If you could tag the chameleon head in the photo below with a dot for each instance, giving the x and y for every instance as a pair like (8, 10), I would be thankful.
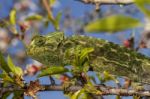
(45, 48)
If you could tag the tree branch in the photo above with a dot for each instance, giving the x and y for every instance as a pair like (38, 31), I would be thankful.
(108, 1)
(47, 6)
(104, 89)
(97, 3)
(48, 9)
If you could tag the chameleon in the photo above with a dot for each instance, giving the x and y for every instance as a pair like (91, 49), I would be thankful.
(51, 49)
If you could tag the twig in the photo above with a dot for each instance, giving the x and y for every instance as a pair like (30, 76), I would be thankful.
(107, 1)
(48, 9)
(104, 89)
(97, 3)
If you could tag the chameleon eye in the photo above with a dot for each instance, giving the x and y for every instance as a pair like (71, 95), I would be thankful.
(40, 41)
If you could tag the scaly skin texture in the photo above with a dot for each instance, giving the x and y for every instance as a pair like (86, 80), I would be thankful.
(55, 49)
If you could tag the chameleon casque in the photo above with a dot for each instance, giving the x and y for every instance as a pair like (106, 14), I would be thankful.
(107, 56)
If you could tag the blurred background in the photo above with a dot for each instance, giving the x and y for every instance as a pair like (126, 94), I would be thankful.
(75, 15)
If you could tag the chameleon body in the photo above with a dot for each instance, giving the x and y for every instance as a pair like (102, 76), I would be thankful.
(56, 49)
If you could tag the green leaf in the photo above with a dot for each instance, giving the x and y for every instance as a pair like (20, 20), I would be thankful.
(18, 71)
(14, 69)
(3, 23)
(13, 21)
(80, 55)
(136, 97)
(108, 77)
(13, 16)
(6, 78)
(118, 97)
(90, 88)
(3, 64)
(56, 21)
(53, 70)
(6, 95)
(18, 95)
(35, 17)
(144, 6)
(11, 65)
(14, 30)
(112, 23)
(81, 94)
(84, 58)
(52, 2)
(2, 75)
(85, 52)
(58, 17)
(86, 96)
(77, 94)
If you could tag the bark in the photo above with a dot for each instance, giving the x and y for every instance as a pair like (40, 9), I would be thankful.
(104, 89)
(108, 1)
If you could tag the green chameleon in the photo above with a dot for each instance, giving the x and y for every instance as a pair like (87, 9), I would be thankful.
(53, 49)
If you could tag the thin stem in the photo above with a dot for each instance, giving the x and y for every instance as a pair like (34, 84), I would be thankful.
(48, 9)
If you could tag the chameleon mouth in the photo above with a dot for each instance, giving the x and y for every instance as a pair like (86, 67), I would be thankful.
(44, 55)
(35, 51)
(39, 54)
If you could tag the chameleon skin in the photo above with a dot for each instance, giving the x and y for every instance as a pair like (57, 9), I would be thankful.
(56, 49)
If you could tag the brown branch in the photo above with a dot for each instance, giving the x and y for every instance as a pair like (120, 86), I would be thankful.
(108, 1)
(97, 3)
(104, 89)
(48, 9)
